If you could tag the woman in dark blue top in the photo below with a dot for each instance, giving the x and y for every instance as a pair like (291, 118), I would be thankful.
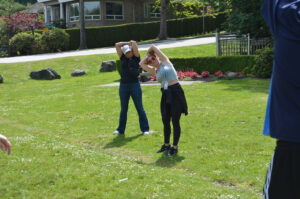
(130, 85)
(282, 120)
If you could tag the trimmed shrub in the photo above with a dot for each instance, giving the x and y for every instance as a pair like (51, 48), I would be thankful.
(25, 43)
(210, 64)
(109, 35)
(55, 40)
(263, 64)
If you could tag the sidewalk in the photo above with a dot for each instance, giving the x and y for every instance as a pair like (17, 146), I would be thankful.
(161, 45)
(152, 83)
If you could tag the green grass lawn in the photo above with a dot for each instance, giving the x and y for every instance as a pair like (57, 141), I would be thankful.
(63, 147)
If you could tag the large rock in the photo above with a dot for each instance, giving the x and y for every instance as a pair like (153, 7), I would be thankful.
(145, 76)
(78, 73)
(108, 66)
(45, 74)
(231, 75)
(1, 79)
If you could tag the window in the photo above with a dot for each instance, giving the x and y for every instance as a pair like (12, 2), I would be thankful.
(114, 11)
(74, 12)
(48, 14)
(146, 10)
(154, 11)
(92, 10)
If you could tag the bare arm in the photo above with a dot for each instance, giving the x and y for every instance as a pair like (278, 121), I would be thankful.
(146, 67)
(135, 49)
(5, 144)
(162, 57)
(118, 47)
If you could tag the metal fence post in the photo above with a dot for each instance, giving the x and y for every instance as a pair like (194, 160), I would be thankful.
(218, 43)
(248, 35)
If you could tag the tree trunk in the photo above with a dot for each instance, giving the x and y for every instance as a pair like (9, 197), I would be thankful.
(82, 26)
(163, 21)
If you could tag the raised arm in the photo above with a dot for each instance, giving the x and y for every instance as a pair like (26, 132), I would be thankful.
(146, 67)
(118, 47)
(135, 49)
(155, 50)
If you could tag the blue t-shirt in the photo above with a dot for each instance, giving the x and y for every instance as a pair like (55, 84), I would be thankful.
(166, 74)
(283, 110)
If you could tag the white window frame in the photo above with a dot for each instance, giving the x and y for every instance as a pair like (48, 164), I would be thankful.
(154, 15)
(93, 17)
(115, 16)
(146, 10)
(74, 18)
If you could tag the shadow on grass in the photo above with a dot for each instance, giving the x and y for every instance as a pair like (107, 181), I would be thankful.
(120, 140)
(168, 161)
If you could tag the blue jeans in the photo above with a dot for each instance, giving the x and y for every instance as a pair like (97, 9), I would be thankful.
(134, 90)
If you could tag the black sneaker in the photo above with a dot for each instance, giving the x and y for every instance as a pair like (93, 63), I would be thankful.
(172, 151)
(163, 148)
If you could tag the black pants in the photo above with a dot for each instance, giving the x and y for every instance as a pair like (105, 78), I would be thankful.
(173, 104)
(283, 176)
(167, 127)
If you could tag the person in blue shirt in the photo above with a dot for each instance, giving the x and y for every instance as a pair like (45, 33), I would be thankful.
(130, 85)
(173, 102)
(282, 120)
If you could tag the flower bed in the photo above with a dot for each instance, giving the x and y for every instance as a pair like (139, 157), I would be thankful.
(205, 76)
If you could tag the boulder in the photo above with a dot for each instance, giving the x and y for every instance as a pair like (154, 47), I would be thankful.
(145, 76)
(231, 75)
(1, 79)
(78, 73)
(45, 74)
(108, 66)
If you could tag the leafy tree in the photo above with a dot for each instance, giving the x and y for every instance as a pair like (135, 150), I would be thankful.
(8, 7)
(26, 2)
(21, 21)
(175, 7)
(11, 24)
(246, 18)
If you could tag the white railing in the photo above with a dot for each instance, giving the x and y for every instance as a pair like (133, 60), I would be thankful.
(229, 45)
(155, 15)
(87, 17)
(92, 17)
(114, 17)
(75, 18)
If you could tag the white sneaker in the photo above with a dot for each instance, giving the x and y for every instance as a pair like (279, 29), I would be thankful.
(146, 133)
(116, 133)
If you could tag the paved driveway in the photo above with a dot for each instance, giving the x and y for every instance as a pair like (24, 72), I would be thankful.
(161, 44)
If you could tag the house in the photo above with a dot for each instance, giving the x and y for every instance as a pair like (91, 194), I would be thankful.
(100, 12)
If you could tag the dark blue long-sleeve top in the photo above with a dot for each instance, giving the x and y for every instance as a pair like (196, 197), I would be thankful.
(283, 111)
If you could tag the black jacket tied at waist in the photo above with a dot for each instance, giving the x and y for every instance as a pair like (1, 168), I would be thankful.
(175, 98)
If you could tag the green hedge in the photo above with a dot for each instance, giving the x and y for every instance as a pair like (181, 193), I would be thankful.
(210, 64)
(109, 35)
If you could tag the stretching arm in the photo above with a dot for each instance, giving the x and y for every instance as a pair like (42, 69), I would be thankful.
(146, 67)
(118, 47)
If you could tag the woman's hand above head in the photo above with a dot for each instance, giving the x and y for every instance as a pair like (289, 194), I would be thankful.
(154, 50)
(144, 64)
(118, 47)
